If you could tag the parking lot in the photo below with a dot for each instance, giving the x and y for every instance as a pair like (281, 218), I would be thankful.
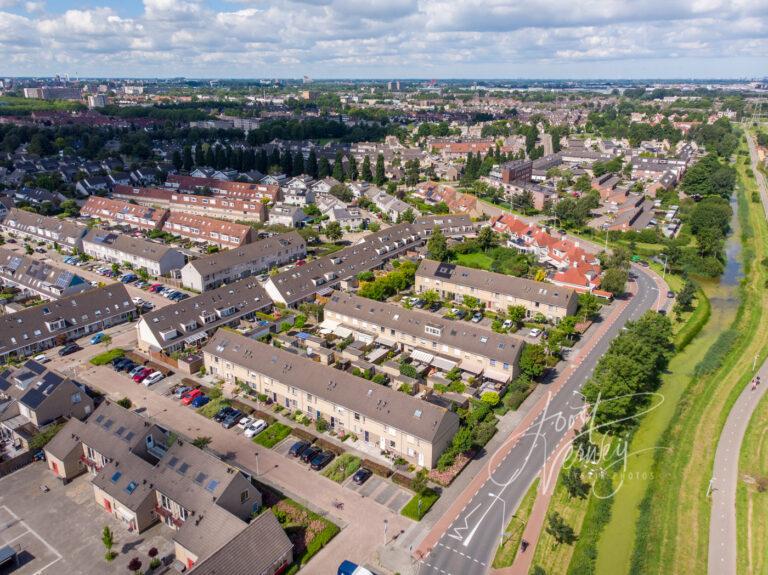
(59, 531)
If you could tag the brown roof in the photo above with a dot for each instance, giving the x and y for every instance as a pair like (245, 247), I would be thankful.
(378, 402)
(122, 211)
(206, 227)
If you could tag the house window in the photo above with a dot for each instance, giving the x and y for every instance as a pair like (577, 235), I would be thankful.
(165, 502)
(244, 496)
(392, 443)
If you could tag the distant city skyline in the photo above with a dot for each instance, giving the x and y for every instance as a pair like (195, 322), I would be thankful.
(403, 39)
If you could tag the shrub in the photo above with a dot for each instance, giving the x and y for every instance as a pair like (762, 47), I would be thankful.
(377, 468)
(305, 435)
(321, 425)
(107, 356)
(491, 398)
(329, 446)
(272, 435)
(428, 499)
(342, 467)
(125, 403)
(41, 439)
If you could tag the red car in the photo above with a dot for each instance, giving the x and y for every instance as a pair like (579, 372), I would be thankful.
(300, 263)
(190, 396)
(154, 287)
(139, 377)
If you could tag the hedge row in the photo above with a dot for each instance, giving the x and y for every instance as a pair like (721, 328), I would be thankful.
(377, 468)
(265, 416)
(305, 435)
(332, 447)
(403, 480)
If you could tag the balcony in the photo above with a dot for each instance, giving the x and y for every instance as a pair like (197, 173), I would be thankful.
(90, 463)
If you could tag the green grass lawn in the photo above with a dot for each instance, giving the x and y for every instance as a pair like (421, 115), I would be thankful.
(107, 356)
(751, 502)
(507, 551)
(411, 509)
(212, 407)
(308, 531)
(475, 260)
(273, 435)
(672, 530)
(342, 467)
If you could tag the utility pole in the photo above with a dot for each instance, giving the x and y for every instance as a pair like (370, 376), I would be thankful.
(386, 525)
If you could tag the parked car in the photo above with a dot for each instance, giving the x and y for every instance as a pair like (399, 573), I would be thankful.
(40, 358)
(321, 460)
(670, 294)
(507, 324)
(97, 338)
(128, 278)
(361, 476)
(181, 390)
(435, 306)
(142, 375)
(255, 428)
(232, 419)
(309, 453)
(155, 288)
(535, 332)
(298, 448)
(419, 303)
(189, 396)
(153, 378)
(223, 413)
(245, 422)
(200, 401)
(68, 349)
(134, 370)
(477, 318)
(138, 301)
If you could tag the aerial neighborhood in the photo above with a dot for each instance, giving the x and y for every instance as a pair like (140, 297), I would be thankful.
(267, 329)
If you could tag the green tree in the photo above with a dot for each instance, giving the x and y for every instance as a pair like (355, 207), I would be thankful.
(380, 177)
(430, 297)
(574, 483)
(201, 441)
(471, 302)
(614, 281)
(533, 360)
(407, 216)
(298, 164)
(108, 539)
(338, 167)
(333, 231)
(324, 168)
(437, 246)
(559, 529)
(366, 173)
(486, 238)
(516, 314)
(311, 167)
(589, 306)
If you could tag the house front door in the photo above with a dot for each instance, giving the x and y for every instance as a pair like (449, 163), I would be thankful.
(108, 506)
(55, 467)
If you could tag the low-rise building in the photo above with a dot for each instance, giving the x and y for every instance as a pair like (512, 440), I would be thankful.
(157, 259)
(380, 416)
(203, 229)
(35, 227)
(191, 321)
(32, 397)
(118, 212)
(142, 474)
(53, 323)
(38, 278)
(286, 215)
(210, 272)
(230, 189)
(471, 348)
(497, 291)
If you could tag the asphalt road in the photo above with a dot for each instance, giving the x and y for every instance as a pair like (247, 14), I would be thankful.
(469, 544)
(725, 473)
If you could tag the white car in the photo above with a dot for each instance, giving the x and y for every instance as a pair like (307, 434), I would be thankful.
(535, 332)
(507, 324)
(255, 428)
(40, 358)
(245, 422)
(138, 301)
(153, 377)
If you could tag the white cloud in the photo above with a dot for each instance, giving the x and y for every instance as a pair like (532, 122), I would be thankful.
(375, 38)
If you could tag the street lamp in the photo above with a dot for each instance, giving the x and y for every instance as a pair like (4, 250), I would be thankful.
(256, 453)
(386, 525)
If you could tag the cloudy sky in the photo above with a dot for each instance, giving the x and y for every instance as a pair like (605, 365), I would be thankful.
(386, 38)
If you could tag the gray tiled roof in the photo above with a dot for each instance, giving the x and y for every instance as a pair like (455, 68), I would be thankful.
(139, 247)
(224, 260)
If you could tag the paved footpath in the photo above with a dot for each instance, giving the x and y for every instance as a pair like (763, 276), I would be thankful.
(722, 525)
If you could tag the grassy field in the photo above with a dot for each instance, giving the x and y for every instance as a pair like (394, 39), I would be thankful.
(507, 551)
(672, 531)
(477, 260)
(751, 503)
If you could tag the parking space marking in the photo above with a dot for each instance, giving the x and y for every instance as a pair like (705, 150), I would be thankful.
(29, 530)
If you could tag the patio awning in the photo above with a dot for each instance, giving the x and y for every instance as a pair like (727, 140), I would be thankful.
(473, 367)
(422, 356)
(195, 337)
(329, 324)
(497, 375)
(386, 342)
(342, 332)
(364, 337)
(442, 363)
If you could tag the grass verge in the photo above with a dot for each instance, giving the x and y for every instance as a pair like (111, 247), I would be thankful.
(342, 467)
(672, 532)
(513, 535)
(272, 435)
(107, 356)
(411, 509)
(308, 531)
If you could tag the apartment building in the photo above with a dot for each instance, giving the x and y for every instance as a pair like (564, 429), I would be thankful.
(193, 320)
(397, 423)
(34, 227)
(203, 229)
(228, 188)
(157, 259)
(322, 275)
(118, 212)
(473, 349)
(212, 271)
(38, 278)
(496, 291)
(35, 329)
(32, 397)
(142, 474)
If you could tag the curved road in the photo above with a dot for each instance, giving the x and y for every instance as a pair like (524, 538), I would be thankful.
(723, 543)
(469, 543)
